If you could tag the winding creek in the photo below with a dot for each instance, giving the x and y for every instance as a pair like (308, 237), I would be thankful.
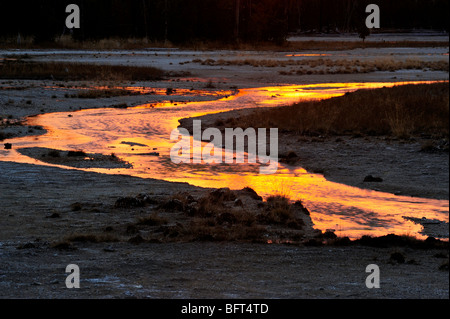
(351, 211)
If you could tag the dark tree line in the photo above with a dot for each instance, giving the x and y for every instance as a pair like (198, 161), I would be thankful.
(217, 20)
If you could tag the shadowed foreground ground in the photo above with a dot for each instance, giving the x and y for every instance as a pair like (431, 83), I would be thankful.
(31, 268)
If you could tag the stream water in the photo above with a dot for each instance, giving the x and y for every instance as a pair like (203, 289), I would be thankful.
(134, 133)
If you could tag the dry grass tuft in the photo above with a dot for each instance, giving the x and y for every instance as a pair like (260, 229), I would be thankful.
(105, 93)
(77, 71)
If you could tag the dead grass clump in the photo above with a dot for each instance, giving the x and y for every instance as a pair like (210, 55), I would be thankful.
(226, 215)
(280, 211)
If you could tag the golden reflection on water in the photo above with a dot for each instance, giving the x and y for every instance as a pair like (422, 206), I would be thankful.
(140, 136)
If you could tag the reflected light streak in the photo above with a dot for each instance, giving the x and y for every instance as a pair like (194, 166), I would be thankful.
(136, 134)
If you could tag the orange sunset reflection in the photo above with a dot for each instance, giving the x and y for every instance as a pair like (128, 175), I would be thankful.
(141, 136)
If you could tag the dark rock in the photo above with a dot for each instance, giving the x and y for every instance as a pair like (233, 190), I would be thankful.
(298, 204)
(8, 146)
(371, 179)
(251, 193)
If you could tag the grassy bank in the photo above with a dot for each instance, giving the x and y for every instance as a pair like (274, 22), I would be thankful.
(66, 42)
(401, 111)
(348, 66)
(19, 69)
(330, 66)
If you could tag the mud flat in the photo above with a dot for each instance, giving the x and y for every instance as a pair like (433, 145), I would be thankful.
(33, 219)
(127, 245)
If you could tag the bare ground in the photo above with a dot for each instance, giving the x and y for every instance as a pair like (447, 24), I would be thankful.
(33, 267)
(41, 206)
